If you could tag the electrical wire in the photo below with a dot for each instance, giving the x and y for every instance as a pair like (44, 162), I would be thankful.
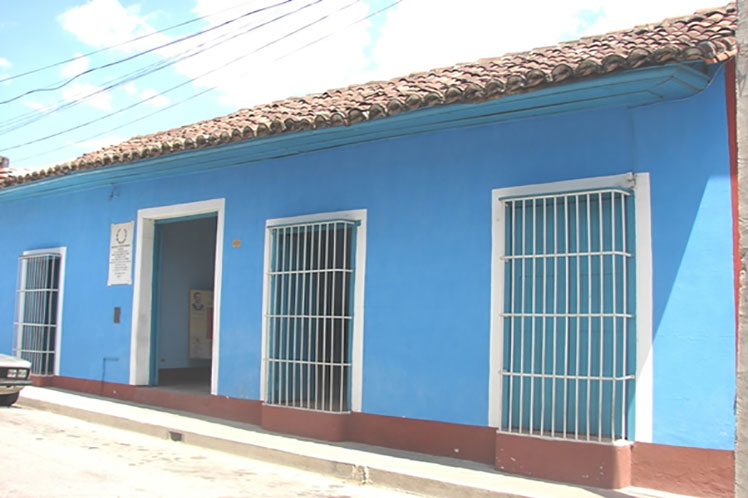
(121, 44)
(140, 54)
(118, 127)
(207, 90)
(24, 120)
(180, 85)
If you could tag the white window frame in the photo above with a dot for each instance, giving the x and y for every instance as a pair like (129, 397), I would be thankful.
(639, 184)
(61, 251)
(357, 358)
(142, 292)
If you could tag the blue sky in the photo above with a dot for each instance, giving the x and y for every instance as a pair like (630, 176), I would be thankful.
(258, 58)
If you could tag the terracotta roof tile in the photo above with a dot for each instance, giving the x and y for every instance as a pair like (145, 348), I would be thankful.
(708, 35)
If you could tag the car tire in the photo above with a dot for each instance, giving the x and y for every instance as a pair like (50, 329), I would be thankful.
(8, 399)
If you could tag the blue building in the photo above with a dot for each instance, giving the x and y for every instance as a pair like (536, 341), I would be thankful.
(525, 261)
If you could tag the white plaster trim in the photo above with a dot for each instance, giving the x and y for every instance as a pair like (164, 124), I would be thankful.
(60, 298)
(357, 359)
(644, 381)
(264, 327)
(644, 398)
(496, 347)
(142, 293)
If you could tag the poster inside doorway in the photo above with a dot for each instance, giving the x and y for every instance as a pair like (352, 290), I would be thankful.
(201, 323)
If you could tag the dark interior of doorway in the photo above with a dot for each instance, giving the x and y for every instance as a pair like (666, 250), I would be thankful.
(183, 276)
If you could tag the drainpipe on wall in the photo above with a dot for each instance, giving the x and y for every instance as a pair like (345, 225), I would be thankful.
(741, 401)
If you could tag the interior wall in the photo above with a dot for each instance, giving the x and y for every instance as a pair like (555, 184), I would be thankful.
(188, 253)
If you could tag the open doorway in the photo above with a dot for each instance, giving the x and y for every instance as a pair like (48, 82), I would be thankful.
(178, 250)
(182, 327)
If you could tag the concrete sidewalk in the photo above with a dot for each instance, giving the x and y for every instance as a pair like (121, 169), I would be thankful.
(412, 472)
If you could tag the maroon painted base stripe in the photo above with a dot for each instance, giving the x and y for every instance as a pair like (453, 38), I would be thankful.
(692, 471)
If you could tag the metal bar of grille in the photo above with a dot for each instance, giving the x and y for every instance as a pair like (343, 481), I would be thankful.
(533, 248)
(308, 315)
(578, 319)
(601, 356)
(552, 307)
(614, 308)
(567, 322)
(522, 324)
(302, 359)
(624, 324)
(588, 346)
(562, 195)
(36, 311)
(511, 241)
(544, 304)
(567, 315)
(570, 376)
(560, 315)
(324, 304)
(558, 255)
(317, 372)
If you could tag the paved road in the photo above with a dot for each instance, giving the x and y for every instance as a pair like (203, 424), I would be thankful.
(48, 455)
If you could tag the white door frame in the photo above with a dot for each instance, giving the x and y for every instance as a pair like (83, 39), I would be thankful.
(142, 292)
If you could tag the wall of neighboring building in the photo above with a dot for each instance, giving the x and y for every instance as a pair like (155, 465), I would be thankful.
(427, 306)
(740, 177)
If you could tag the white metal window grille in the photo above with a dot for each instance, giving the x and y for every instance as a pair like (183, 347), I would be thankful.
(37, 313)
(569, 340)
(309, 315)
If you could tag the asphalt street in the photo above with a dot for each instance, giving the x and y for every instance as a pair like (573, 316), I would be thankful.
(49, 455)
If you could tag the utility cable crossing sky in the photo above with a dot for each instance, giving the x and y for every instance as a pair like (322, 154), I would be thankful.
(144, 52)
(78, 83)
(207, 90)
(116, 45)
(20, 121)
(23, 120)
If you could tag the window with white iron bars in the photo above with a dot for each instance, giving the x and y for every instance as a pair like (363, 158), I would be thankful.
(569, 338)
(37, 301)
(309, 315)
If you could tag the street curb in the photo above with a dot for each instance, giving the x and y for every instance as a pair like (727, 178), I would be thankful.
(345, 470)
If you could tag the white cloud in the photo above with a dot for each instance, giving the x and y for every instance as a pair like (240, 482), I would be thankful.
(101, 23)
(154, 98)
(4, 62)
(130, 88)
(77, 66)
(622, 15)
(89, 94)
(259, 77)
(415, 35)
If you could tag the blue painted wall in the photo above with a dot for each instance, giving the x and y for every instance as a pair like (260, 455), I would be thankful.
(428, 198)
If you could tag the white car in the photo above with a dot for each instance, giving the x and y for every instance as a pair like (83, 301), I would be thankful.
(14, 375)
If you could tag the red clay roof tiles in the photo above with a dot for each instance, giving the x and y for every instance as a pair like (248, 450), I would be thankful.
(707, 35)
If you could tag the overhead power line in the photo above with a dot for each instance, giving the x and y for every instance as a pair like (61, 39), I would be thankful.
(207, 90)
(121, 44)
(210, 89)
(31, 117)
(140, 54)
(175, 87)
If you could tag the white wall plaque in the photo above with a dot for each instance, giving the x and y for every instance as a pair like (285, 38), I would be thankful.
(120, 253)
